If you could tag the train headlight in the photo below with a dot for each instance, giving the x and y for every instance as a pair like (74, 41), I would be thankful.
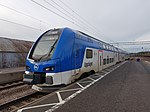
(49, 68)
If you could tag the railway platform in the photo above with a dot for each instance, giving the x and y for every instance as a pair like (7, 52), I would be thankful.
(11, 74)
(123, 88)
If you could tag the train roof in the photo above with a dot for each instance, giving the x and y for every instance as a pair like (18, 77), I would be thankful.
(102, 42)
(107, 45)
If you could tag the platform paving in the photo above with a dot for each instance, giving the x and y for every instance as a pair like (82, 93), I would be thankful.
(125, 89)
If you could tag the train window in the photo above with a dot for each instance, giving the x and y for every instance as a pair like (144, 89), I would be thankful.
(89, 53)
(104, 61)
(111, 48)
(110, 60)
(100, 60)
(100, 45)
(103, 46)
(45, 46)
(107, 60)
(107, 47)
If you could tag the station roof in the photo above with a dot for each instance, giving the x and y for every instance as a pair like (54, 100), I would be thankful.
(14, 45)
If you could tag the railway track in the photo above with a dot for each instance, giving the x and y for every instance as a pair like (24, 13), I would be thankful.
(20, 102)
(17, 95)
(10, 85)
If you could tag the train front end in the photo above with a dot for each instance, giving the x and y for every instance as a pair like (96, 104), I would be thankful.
(40, 61)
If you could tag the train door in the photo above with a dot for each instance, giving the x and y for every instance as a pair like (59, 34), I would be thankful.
(118, 56)
(100, 58)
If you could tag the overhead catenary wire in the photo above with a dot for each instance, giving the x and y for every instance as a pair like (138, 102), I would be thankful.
(86, 29)
(51, 11)
(20, 24)
(59, 15)
(85, 21)
(29, 15)
(43, 6)
(61, 7)
(136, 44)
(74, 19)
(81, 18)
(55, 7)
(72, 16)
(25, 15)
(132, 43)
(41, 21)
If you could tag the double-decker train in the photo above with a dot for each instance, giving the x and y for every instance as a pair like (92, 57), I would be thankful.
(59, 56)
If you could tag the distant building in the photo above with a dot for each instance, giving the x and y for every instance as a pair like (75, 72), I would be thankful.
(13, 52)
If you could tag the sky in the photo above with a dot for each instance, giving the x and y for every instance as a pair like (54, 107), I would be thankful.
(107, 20)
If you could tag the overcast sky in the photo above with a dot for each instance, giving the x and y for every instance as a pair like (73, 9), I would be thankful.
(108, 20)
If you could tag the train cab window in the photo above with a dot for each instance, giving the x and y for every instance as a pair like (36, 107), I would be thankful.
(45, 46)
(89, 53)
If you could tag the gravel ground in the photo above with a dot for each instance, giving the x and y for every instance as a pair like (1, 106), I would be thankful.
(14, 93)
(126, 89)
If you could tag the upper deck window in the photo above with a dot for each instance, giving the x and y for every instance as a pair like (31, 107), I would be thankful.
(100, 45)
(104, 46)
(89, 53)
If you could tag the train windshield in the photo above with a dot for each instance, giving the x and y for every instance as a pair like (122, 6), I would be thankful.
(44, 48)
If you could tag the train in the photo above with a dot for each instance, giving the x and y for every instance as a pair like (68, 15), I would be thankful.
(60, 56)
